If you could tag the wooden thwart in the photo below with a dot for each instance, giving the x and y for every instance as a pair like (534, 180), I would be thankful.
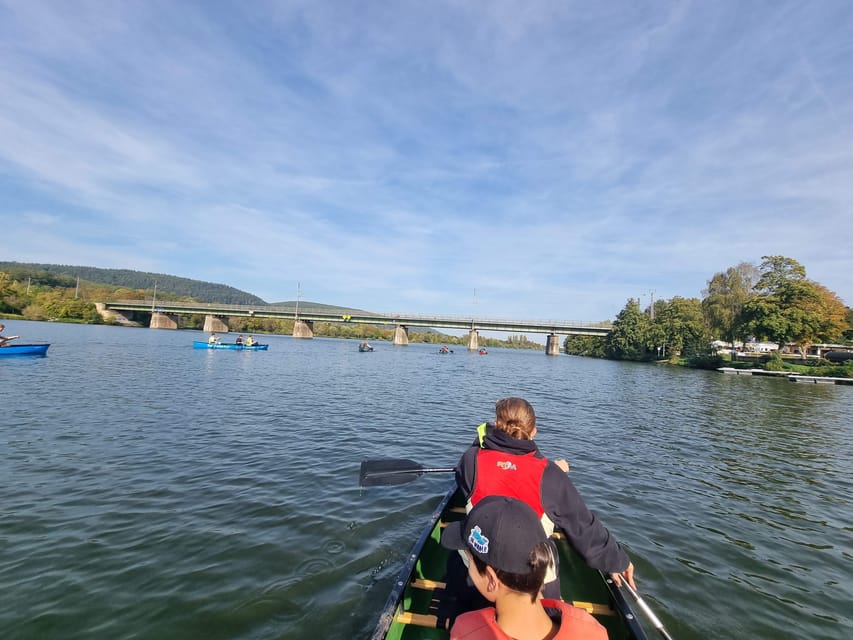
(418, 619)
(590, 607)
(594, 608)
(424, 583)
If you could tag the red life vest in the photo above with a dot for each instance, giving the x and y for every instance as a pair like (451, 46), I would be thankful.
(513, 476)
(575, 624)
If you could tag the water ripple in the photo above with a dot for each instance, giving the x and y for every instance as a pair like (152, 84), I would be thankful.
(160, 491)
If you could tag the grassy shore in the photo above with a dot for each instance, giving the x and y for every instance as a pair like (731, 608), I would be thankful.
(775, 362)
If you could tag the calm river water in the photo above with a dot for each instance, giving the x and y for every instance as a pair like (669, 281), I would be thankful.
(150, 490)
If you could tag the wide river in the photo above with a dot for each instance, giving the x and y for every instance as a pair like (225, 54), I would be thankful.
(150, 490)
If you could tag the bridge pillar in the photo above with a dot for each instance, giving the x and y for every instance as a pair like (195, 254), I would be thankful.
(215, 324)
(552, 346)
(303, 329)
(473, 340)
(401, 336)
(163, 321)
(115, 316)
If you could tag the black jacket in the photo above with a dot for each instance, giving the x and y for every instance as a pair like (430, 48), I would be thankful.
(560, 499)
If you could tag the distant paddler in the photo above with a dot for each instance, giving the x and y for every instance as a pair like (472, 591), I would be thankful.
(5, 339)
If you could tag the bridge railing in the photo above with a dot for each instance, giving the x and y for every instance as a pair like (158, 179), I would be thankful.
(202, 307)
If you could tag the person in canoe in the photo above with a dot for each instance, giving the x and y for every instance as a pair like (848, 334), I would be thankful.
(213, 339)
(5, 339)
(250, 341)
(504, 460)
(507, 553)
(239, 339)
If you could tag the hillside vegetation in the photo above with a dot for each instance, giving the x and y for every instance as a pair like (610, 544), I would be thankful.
(60, 275)
(53, 292)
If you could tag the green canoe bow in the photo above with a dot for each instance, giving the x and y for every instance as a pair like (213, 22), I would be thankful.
(410, 611)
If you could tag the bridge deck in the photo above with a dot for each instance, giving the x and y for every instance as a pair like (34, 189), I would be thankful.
(308, 314)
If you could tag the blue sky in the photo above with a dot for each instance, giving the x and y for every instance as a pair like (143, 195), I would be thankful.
(556, 158)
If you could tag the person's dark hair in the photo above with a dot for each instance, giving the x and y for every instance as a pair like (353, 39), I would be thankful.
(529, 583)
(516, 417)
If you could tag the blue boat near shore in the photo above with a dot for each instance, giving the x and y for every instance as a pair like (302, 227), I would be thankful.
(24, 350)
(198, 344)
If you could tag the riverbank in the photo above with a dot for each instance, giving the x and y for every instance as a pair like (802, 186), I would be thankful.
(769, 366)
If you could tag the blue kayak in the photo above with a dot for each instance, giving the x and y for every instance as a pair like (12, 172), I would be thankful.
(24, 350)
(198, 344)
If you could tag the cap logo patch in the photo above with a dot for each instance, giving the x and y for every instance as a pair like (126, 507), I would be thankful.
(478, 541)
(506, 465)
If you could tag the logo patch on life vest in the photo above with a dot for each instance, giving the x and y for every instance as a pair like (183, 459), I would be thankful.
(506, 465)
(478, 541)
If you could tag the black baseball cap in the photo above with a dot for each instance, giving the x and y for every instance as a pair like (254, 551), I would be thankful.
(501, 531)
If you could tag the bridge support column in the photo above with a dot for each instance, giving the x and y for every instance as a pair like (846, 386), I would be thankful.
(215, 324)
(115, 316)
(163, 321)
(401, 336)
(303, 329)
(552, 346)
(473, 340)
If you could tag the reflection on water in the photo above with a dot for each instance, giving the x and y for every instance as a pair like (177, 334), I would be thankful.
(154, 490)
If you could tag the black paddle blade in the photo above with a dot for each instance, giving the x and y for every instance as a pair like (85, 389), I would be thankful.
(388, 472)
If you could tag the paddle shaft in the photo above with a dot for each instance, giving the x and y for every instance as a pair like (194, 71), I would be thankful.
(647, 610)
(416, 471)
(393, 471)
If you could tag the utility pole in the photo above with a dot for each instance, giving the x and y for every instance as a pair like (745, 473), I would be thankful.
(77, 288)
(652, 304)
(154, 298)
(298, 293)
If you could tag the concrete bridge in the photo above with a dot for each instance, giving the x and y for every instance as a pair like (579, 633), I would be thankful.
(164, 315)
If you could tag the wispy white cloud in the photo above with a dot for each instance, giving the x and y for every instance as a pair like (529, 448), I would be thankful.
(556, 157)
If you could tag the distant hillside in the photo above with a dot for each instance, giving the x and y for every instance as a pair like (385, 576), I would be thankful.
(53, 274)
(319, 306)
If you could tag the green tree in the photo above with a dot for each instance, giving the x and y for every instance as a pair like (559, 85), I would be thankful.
(591, 346)
(630, 337)
(7, 294)
(679, 327)
(726, 294)
(778, 273)
(789, 308)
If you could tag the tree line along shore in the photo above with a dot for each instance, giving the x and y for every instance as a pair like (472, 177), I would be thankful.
(773, 302)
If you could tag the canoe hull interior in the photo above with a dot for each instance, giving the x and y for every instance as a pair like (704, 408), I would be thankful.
(198, 344)
(24, 350)
(410, 611)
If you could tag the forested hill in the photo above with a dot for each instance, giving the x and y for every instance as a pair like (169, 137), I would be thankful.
(66, 275)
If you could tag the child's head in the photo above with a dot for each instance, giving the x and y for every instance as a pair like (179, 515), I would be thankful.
(516, 417)
(504, 535)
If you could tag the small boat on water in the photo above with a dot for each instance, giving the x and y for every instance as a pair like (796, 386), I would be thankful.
(414, 608)
(365, 348)
(483, 352)
(24, 350)
(200, 344)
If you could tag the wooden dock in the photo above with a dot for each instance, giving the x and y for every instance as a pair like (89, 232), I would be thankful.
(792, 377)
